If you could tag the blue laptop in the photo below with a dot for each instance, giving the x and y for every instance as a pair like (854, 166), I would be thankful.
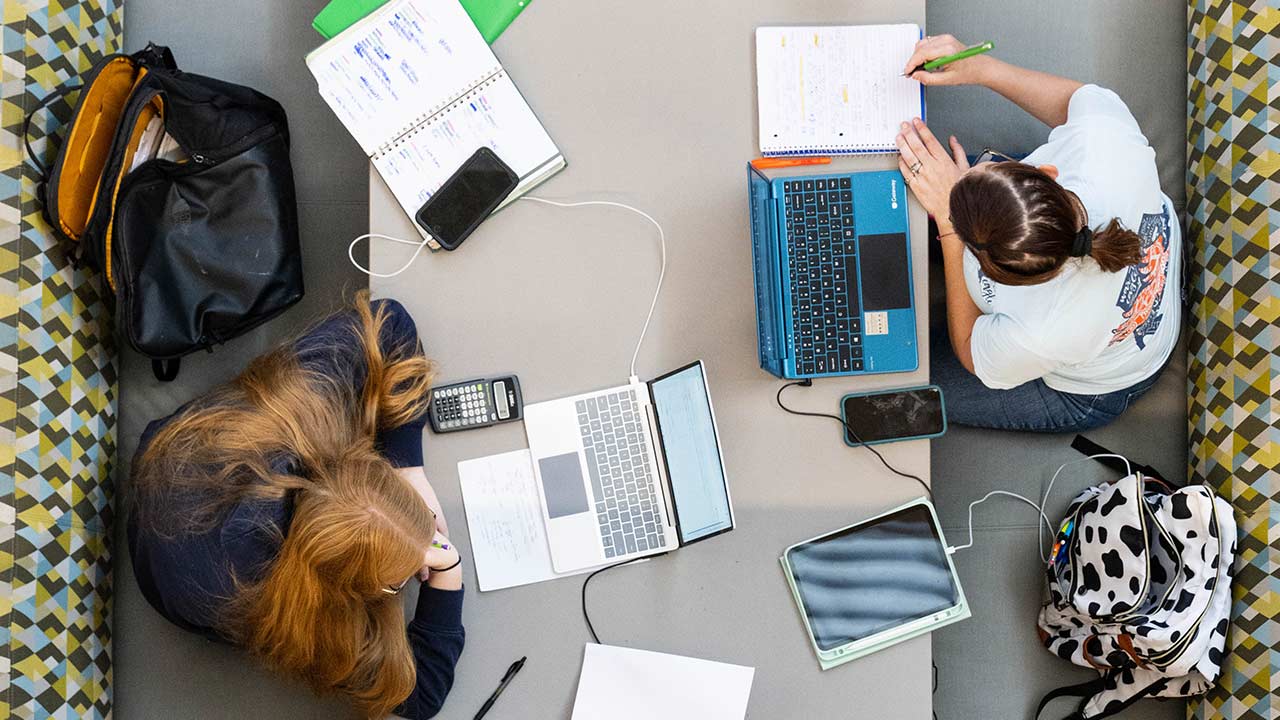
(832, 263)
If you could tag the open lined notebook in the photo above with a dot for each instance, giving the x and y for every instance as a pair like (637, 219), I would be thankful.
(420, 90)
(834, 90)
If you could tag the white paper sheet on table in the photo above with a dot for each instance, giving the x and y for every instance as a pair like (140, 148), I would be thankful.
(626, 684)
(508, 537)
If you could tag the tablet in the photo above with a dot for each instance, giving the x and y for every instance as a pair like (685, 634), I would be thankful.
(878, 582)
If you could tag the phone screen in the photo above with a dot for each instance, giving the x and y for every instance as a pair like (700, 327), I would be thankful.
(467, 198)
(894, 415)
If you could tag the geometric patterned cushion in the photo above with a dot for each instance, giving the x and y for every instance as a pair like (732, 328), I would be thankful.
(57, 394)
(1233, 199)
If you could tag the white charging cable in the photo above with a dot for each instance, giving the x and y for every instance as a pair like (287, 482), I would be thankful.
(1043, 521)
(351, 253)
(662, 269)
(420, 244)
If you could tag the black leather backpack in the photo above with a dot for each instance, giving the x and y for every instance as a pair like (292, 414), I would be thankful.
(178, 188)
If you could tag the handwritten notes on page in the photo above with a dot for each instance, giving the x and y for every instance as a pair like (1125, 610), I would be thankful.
(508, 537)
(494, 115)
(399, 65)
(834, 90)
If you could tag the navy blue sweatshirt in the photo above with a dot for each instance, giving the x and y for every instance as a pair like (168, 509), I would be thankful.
(188, 577)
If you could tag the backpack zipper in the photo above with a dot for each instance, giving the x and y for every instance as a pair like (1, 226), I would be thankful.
(1170, 656)
(51, 199)
(1075, 552)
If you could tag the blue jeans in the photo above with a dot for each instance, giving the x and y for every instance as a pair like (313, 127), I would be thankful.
(1031, 406)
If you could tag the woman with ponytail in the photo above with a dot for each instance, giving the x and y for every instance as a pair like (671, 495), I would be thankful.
(285, 511)
(1063, 271)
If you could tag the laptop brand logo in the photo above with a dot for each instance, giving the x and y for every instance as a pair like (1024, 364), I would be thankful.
(893, 193)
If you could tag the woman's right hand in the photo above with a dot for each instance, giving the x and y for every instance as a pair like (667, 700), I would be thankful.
(970, 71)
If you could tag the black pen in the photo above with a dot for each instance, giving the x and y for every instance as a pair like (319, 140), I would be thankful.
(506, 679)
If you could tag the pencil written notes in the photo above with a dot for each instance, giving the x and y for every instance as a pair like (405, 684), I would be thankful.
(504, 516)
(834, 90)
(420, 91)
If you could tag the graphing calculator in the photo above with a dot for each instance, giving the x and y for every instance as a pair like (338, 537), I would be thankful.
(474, 404)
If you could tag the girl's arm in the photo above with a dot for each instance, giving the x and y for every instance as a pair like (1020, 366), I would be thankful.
(1042, 95)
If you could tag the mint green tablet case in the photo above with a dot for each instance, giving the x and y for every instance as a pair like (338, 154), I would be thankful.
(880, 641)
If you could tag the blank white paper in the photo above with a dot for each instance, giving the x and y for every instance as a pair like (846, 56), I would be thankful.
(625, 684)
(508, 537)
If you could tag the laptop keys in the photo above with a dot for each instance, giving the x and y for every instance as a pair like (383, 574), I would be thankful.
(825, 301)
(617, 457)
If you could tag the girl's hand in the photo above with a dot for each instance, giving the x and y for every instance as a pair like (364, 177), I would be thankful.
(970, 71)
(437, 559)
(929, 170)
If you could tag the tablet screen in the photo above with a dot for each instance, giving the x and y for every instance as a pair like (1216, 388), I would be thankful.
(870, 578)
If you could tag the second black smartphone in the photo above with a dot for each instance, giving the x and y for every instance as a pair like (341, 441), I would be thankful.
(467, 198)
(889, 415)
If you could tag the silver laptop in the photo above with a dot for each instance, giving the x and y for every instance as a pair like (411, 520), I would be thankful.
(629, 471)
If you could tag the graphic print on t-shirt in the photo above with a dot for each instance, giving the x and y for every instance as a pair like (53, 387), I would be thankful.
(988, 290)
(1143, 288)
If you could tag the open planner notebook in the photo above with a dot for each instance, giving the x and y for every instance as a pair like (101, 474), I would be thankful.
(420, 90)
(834, 90)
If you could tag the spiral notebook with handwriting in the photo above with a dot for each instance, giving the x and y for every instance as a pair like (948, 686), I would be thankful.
(828, 90)
(420, 90)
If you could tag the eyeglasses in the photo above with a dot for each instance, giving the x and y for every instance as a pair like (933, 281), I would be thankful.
(395, 589)
(989, 155)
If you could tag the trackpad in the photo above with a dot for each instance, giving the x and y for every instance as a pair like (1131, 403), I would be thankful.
(562, 485)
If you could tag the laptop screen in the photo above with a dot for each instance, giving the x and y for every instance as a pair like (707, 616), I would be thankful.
(698, 489)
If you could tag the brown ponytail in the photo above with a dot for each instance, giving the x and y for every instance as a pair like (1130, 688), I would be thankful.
(319, 614)
(1115, 247)
(1021, 225)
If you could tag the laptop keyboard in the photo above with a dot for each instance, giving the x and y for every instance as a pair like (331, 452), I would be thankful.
(822, 250)
(618, 460)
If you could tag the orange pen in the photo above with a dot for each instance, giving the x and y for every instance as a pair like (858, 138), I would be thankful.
(770, 163)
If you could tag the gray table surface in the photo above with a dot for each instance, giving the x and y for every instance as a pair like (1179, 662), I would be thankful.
(653, 104)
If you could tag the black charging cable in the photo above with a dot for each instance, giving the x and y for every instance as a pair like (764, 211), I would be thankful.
(585, 615)
(859, 442)
(848, 428)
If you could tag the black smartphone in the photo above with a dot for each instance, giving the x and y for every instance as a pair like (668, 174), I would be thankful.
(467, 198)
(889, 415)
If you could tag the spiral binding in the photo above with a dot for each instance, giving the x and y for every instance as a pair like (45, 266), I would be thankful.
(814, 150)
(429, 118)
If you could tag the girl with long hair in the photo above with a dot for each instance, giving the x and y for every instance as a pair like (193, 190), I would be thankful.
(285, 511)
(1063, 270)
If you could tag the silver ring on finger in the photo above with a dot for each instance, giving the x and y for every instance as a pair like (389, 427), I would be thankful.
(915, 168)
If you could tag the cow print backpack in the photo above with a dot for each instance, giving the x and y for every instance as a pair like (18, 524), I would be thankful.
(1139, 590)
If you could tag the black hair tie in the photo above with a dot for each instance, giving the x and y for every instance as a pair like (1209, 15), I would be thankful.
(1082, 246)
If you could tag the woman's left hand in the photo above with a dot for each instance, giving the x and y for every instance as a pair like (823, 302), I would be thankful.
(436, 559)
(929, 170)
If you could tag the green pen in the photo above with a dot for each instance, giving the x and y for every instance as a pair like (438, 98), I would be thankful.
(966, 53)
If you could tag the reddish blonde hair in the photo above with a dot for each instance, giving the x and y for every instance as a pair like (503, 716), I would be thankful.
(319, 612)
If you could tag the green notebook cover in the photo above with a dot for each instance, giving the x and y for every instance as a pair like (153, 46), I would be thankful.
(490, 16)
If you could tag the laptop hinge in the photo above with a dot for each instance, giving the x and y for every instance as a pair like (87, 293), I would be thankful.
(664, 482)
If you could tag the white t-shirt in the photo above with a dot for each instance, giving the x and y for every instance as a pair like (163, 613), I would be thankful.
(1087, 331)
